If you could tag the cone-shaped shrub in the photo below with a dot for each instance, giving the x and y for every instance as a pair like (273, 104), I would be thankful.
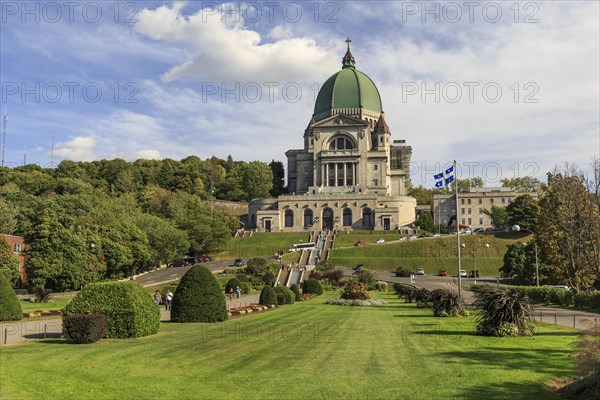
(284, 295)
(233, 283)
(10, 308)
(294, 288)
(267, 296)
(198, 298)
(130, 310)
(313, 286)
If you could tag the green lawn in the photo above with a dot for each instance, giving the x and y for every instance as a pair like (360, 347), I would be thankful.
(260, 244)
(433, 254)
(308, 350)
(58, 302)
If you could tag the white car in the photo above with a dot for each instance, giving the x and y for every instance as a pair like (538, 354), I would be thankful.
(436, 235)
(463, 273)
(380, 241)
(420, 271)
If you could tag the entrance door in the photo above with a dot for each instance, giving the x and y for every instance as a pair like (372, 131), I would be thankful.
(327, 219)
(268, 225)
(386, 224)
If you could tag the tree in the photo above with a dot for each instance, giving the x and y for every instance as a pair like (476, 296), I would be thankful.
(499, 216)
(278, 178)
(8, 217)
(422, 194)
(9, 265)
(523, 211)
(464, 185)
(425, 221)
(524, 184)
(569, 229)
(267, 296)
(257, 180)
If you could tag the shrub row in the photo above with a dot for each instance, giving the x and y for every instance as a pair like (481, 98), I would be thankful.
(560, 297)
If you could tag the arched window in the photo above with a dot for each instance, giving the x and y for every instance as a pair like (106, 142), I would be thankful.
(341, 143)
(308, 217)
(367, 217)
(347, 217)
(289, 218)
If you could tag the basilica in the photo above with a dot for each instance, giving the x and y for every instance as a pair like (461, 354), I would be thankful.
(349, 174)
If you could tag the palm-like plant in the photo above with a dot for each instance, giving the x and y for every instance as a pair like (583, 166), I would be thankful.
(446, 303)
(503, 312)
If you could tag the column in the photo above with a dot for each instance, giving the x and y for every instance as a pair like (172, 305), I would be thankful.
(344, 166)
(335, 181)
(323, 174)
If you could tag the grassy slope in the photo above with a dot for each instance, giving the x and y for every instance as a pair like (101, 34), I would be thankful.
(307, 350)
(260, 244)
(432, 254)
(57, 303)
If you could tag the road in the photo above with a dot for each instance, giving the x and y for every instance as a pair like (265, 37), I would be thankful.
(170, 274)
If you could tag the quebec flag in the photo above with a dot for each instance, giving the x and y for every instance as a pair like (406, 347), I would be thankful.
(444, 178)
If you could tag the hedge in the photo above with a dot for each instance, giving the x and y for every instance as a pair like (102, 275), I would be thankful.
(560, 297)
(284, 295)
(294, 288)
(267, 296)
(313, 286)
(130, 310)
(199, 298)
(10, 307)
(84, 328)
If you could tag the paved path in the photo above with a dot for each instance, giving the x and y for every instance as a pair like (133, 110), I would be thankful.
(20, 331)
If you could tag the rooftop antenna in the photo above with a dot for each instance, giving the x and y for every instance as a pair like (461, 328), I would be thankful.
(4, 136)
(25, 158)
(52, 153)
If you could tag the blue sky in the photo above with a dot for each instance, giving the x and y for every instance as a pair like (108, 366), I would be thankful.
(507, 89)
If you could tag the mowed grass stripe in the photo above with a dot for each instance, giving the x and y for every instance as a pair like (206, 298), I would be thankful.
(308, 350)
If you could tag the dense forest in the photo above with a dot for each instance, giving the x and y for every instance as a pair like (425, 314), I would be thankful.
(90, 221)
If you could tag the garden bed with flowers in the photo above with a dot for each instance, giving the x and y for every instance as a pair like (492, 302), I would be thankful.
(43, 313)
(246, 310)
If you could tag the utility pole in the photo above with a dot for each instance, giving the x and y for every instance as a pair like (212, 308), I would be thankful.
(4, 136)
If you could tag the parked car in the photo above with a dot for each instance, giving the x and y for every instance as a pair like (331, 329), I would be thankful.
(239, 262)
(358, 266)
(478, 230)
(424, 235)
(489, 230)
(443, 273)
(380, 241)
(401, 272)
(420, 271)
(413, 237)
(463, 273)
(436, 235)
(360, 243)
(474, 274)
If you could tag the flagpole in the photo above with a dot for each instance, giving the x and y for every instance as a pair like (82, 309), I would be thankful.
(457, 229)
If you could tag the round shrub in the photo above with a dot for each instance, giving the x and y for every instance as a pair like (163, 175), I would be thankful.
(84, 328)
(246, 288)
(199, 298)
(381, 286)
(294, 288)
(313, 286)
(233, 283)
(267, 296)
(284, 295)
(10, 308)
(355, 291)
(130, 310)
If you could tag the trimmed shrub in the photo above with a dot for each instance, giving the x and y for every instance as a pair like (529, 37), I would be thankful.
(233, 283)
(42, 295)
(503, 312)
(284, 295)
(130, 310)
(313, 286)
(355, 291)
(333, 276)
(381, 286)
(246, 288)
(446, 303)
(367, 277)
(267, 296)
(294, 288)
(199, 298)
(10, 307)
(84, 328)
(587, 300)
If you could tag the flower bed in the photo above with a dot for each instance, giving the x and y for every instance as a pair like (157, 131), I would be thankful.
(43, 313)
(307, 296)
(252, 308)
(347, 302)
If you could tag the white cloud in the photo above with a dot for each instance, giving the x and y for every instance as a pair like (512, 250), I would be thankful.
(231, 52)
(148, 154)
(80, 148)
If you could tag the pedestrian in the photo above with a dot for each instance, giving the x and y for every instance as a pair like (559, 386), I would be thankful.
(168, 299)
(157, 297)
(238, 292)
(230, 293)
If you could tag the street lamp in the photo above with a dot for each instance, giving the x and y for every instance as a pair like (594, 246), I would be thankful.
(517, 228)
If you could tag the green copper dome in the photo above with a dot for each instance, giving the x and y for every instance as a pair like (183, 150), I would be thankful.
(348, 88)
